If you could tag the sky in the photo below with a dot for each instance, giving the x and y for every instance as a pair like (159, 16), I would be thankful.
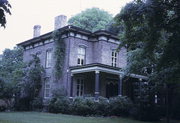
(27, 13)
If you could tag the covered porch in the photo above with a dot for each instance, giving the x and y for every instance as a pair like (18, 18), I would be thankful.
(96, 80)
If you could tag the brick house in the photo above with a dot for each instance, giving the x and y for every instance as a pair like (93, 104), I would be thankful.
(92, 66)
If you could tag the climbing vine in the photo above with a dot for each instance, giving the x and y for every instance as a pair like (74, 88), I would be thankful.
(59, 53)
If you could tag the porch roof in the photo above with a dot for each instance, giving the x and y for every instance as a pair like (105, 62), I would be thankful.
(102, 68)
(95, 67)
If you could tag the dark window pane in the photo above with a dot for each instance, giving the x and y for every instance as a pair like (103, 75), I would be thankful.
(78, 61)
(115, 54)
(82, 61)
(112, 53)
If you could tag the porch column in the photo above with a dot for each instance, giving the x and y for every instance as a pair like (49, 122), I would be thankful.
(71, 91)
(96, 84)
(120, 85)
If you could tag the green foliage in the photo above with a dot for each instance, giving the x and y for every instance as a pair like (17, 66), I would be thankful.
(146, 112)
(59, 53)
(83, 106)
(115, 28)
(60, 102)
(5, 90)
(102, 107)
(3, 105)
(30, 86)
(33, 79)
(4, 8)
(152, 37)
(11, 65)
(91, 19)
(118, 106)
(11, 74)
(37, 103)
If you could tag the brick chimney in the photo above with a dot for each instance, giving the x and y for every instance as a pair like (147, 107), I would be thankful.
(60, 21)
(37, 31)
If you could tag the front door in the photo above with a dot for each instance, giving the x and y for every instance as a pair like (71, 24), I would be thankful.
(111, 89)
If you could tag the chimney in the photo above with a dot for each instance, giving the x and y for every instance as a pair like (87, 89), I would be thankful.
(60, 21)
(37, 31)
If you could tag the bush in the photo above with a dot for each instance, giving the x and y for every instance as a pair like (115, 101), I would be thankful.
(22, 104)
(59, 105)
(59, 102)
(117, 106)
(146, 112)
(37, 103)
(83, 106)
(120, 106)
(102, 106)
(3, 105)
(175, 107)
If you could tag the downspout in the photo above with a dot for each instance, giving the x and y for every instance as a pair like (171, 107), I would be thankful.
(68, 71)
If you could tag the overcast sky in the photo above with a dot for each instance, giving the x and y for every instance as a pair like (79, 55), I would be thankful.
(27, 13)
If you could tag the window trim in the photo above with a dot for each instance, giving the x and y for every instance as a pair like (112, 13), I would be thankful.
(47, 81)
(47, 60)
(114, 58)
(81, 86)
(80, 60)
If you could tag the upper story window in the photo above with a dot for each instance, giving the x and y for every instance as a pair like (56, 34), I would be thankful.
(114, 58)
(47, 88)
(81, 55)
(48, 58)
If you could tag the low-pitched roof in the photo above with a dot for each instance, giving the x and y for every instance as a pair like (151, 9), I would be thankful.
(67, 29)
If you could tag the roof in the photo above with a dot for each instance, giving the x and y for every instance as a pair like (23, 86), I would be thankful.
(67, 29)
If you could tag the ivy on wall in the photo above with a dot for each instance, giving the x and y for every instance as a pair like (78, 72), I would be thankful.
(59, 53)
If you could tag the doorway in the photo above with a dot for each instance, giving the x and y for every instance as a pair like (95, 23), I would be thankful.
(111, 89)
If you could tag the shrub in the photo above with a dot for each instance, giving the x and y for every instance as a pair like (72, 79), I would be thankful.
(59, 105)
(3, 105)
(120, 106)
(59, 102)
(175, 107)
(82, 106)
(102, 106)
(37, 103)
(22, 104)
(146, 112)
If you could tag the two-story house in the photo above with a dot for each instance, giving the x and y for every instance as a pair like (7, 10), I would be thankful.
(92, 66)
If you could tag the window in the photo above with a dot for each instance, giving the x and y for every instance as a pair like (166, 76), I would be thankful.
(114, 58)
(47, 88)
(48, 58)
(81, 55)
(80, 87)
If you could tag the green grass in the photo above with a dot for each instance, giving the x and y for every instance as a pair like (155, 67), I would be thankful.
(36, 117)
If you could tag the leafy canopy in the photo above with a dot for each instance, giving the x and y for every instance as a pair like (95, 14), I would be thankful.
(152, 31)
(91, 19)
(152, 36)
(4, 8)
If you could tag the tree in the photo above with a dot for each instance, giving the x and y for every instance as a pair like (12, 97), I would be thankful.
(4, 8)
(11, 65)
(91, 19)
(152, 33)
(30, 86)
(11, 73)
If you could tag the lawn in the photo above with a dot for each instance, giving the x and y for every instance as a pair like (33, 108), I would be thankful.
(36, 117)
